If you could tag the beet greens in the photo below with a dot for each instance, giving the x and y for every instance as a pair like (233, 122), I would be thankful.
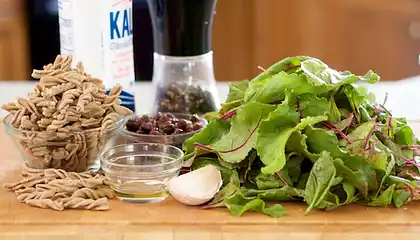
(301, 131)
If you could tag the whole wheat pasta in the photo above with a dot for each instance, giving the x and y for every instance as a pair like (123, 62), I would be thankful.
(23, 197)
(61, 174)
(89, 193)
(57, 189)
(45, 203)
(11, 186)
(28, 184)
(88, 204)
(63, 104)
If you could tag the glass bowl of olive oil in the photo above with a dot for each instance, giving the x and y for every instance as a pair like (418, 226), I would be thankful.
(139, 172)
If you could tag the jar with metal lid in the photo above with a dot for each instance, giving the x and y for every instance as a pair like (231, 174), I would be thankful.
(183, 74)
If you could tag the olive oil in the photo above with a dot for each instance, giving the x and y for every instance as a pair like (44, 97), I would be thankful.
(141, 191)
(142, 197)
(141, 177)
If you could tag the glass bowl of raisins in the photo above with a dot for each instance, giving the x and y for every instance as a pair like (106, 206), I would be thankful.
(166, 128)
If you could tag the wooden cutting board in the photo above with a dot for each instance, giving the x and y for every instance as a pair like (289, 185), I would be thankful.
(172, 220)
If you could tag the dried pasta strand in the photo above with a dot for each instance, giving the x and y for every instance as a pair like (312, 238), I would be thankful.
(45, 203)
(88, 204)
(27, 171)
(89, 193)
(11, 186)
(88, 182)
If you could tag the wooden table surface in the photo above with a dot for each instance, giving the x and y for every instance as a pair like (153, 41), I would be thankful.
(172, 220)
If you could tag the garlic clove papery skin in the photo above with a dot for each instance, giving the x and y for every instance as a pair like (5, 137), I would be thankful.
(196, 187)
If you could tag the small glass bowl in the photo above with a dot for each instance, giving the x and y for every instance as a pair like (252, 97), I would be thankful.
(125, 136)
(139, 172)
(75, 151)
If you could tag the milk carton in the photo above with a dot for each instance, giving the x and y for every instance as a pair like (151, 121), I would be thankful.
(99, 33)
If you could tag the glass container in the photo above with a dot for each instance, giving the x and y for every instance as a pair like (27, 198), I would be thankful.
(139, 172)
(126, 136)
(183, 74)
(75, 151)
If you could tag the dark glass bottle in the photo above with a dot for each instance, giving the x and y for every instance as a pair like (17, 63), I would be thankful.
(182, 27)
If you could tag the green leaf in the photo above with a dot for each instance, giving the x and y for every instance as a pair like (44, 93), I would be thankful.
(345, 123)
(391, 126)
(303, 179)
(209, 116)
(356, 177)
(369, 97)
(274, 133)
(214, 130)
(336, 181)
(371, 77)
(391, 145)
(275, 88)
(321, 74)
(350, 190)
(330, 201)
(292, 168)
(405, 136)
(297, 143)
(285, 193)
(321, 140)
(275, 210)
(334, 114)
(237, 90)
(230, 106)
(252, 156)
(354, 97)
(239, 204)
(272, 139)
(228, 190)
(234, 146)
(388, 170)
(320, 180)
(289, 65)
(310, 106)
(267, 181)
(361, 137)
(359, 134)
(385, 198)
(400, 197)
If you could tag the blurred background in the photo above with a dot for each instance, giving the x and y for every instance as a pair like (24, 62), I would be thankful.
(383, 35)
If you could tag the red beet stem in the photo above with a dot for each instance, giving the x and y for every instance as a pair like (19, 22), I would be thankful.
(389, 125)
(281, 178)
(199, 145)
(246, 140)
(291, 68)
(406, 160)
(208, 148)
(228, 115)
(410, 147)
(410, 189)
(330, 126)
(370, 134)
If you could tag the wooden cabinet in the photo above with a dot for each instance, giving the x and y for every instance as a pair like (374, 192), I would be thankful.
(355, 35)
(13, 41)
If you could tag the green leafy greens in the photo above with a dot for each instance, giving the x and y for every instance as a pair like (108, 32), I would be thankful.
(301, 131)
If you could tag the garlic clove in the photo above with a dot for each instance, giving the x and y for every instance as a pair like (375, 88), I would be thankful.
(196, 187)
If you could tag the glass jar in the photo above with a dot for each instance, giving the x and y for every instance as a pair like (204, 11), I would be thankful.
(184, 84)
(183, 74)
